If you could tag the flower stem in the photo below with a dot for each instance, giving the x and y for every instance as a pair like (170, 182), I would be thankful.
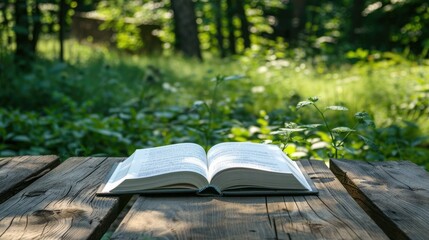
(334, 144)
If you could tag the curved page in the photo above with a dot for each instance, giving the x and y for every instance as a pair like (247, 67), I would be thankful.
(167, 159)
(261, 157)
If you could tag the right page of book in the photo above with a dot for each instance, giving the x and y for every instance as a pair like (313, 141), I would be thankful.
(262, 157)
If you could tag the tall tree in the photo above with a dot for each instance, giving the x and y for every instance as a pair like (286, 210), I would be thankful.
(217, 8)
(5, 22)
(61, 17)
(185, 28)
(357, 19)
(37, 25)
(245, 33)
(298, 18)
(231, 30)
(24, 49)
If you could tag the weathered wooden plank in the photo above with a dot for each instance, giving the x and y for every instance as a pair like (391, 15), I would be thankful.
(62, 204)
(331, 215)
(196, 218)
(18, 172)
(394, 194)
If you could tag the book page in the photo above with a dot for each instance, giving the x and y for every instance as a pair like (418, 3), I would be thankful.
(167, 159)
(119, 174)
(262, 157)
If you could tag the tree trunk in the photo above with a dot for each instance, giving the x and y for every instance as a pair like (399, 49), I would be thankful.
(357, 19)
(23, 50)
(185, 28)
(245, 33)
(37, 25)
(298, 18)
(61, 17)
(6, 22)
(230, 17)
(217, 7)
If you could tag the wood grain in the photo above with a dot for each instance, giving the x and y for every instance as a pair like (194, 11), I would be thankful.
(62, 204)
(394, 194)
(18, 172)
(333, 214)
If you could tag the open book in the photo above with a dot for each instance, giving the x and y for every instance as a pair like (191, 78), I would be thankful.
(232, 168)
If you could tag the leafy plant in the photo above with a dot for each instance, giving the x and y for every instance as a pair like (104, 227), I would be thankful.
(103, 102)
(211, 109)
(338, 135)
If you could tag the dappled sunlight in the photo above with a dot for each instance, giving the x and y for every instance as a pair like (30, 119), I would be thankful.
(196, 217)
(62, 203)
(331, 214)
(321, 81)
(18, 172)
(105, 78)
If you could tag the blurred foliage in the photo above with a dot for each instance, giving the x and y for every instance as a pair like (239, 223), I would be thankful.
(124, 17)
(327, 28)
(364, 55)
(107, 103)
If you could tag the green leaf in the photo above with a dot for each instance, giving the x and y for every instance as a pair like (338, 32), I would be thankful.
(361, 115)
(21, 138)
(53, 142)
(310, 126)
(313, 99)
(364, 118)
(58, 68)
(292, 129)
(298, 139)
(291, 125)
(277, 132)
(285, 131)
(233, 77)
(303, 104)
(369, 142)
(351, 150)
(337, 108)
(368, 123)
(342, 130)
(220, 78)
(198, 103)
(106, 132)
(5, 153)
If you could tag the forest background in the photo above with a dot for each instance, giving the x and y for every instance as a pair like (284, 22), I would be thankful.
(337, 78)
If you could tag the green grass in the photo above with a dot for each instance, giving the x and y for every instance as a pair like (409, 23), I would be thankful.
(389, 81)
(103, 97)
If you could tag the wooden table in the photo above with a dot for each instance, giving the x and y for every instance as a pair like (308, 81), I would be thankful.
(42, 199)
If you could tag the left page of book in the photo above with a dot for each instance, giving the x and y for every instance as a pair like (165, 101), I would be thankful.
(162, 167)
(182, 157)
(119, 175)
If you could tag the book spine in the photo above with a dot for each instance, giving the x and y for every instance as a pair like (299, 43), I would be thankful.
(210, 190)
